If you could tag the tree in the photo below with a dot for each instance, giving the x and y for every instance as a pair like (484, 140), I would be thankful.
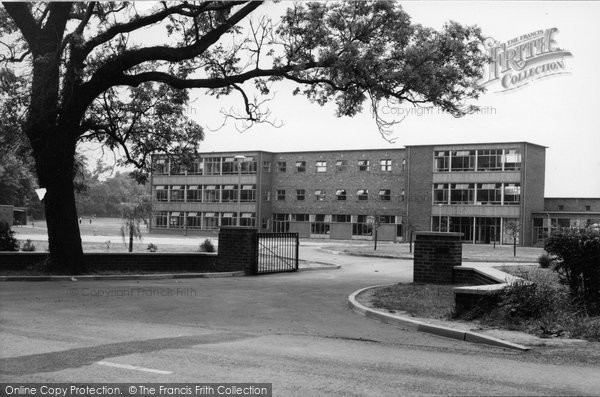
(133, 214)
(83, 71)
(514, 229)
(8, 242)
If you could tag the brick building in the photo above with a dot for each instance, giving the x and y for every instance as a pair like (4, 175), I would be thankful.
(474, 189)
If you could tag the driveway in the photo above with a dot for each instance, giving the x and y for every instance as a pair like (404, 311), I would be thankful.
(292, 330)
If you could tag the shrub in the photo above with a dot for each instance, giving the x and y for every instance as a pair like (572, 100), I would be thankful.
(8, 242)
(545, 260)
(152, 247)
(577, 255)
(28, 246)
(207, 246)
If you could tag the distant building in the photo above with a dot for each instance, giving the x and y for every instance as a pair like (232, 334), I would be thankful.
(476, 189)
(13, 215)
(565, 212)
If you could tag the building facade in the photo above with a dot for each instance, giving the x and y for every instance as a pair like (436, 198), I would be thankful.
(484, 191)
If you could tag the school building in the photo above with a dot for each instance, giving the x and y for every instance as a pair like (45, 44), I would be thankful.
(481, 190)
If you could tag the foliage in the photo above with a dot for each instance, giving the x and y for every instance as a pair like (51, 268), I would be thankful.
(152, 247)
(514, 230)
(206, 246)
(545, 260)
(577, 253)
(8, 242)
(132, 215)
(28, 246)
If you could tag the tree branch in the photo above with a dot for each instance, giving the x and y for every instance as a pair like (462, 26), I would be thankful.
(25, 21)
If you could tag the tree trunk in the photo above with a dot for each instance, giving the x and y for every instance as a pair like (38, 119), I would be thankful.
(130, 238)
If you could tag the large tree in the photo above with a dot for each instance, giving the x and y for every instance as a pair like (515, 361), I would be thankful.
(90, 71)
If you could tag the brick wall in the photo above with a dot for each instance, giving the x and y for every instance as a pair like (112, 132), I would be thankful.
(238, 249)
(6, 214)
(534, 161)
(435, 256)
(470, 277)
(419, 182)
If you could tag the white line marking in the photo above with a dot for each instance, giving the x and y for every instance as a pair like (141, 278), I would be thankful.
(133, 367)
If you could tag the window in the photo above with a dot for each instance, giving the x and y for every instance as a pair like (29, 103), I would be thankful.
(341, 165)
(248, 166)
(361, 227)
(386, 164)
(281, 195)
(300, 217)
(512, 160)
(193, 220)
(387, 219)
(281, 166)
(403, 165)
(462, 193)
(176, 220)
(177, 169)
(211, 194)
(161, 167)
(248, 219)
(228, 166)
(321, 166)
(193, 193)
(340, 194)
(341, 218)
(512, 194)
(440, 193)
(588, 207)
(300, 194)
(159, 219)
(177, 193)
(228, 219)
(489, 193)
(212, 166)
(362, 194)
(248, 194)
(196, 168)
(266, 195)
(402, 195)
(489, 160)
(281, 223)
(266, 166)
(229, 193)
(364, 165)
(561, 207)
(320, 224)
(463, 160)
(320, 195)
(211, 220)
(300, 166)
(161, 193)
(385, 194)
(441, 161)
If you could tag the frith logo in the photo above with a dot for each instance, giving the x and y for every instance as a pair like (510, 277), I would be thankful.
(524, 59)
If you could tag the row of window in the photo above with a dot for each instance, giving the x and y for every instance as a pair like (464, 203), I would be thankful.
(561, 207)
(206, 166)
(477, 193)
(205, 193)
(477, 160)
(340, 166)
(201, 220)
(320, 224)
(340, 195)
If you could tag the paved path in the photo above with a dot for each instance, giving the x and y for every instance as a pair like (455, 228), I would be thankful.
(293, 330)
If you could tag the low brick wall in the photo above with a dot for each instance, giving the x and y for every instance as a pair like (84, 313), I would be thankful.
(144, 261)
(467, 276)
(238, 249)
(436, 255)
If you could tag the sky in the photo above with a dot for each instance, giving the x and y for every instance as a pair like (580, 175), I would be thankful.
(559, 111)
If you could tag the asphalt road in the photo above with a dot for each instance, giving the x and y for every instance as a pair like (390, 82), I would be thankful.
(292, 330)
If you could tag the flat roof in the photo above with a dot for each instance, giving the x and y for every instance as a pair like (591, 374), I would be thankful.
(479, 144)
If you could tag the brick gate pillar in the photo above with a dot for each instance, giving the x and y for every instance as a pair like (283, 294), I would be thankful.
(436, 254)
(238, 249)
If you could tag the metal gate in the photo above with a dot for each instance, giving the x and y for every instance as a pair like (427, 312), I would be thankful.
(277, 252)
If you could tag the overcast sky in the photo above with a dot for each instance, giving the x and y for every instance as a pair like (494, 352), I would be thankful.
(559, 111)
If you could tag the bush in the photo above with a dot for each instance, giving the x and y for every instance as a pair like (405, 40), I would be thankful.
(152, 247)
(577, 255)
(545, 260)
(8, 242)
(28, 246)
(207, 246)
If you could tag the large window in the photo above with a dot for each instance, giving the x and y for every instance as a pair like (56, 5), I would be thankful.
(248, 193)
(211, 194)
(320, 224)
(248, 219)
(196, 168)
(386, 164)
(177, 193)
(489, 193)
(229, 193)
(364, 165)
(300, 217)
(193, 220)
(212, 166)
(211, 220)
(229, 166)
(159, 219)
(362, 194)
(341, 218)
(512, 194)
(360, 227)
(462, 193)
(463, 160)
(387, 219)
(340, 194)
(193, 194)
(441, 161)
(161, 167)
(300, 166)
(228, 219)
(440, 193)
(512, 160)
(161, 193)
(385, 194)
(248, 166)
(489, 160)
(176, 220)
(341, 165)
(321, 166)
(281, 223)
(177, 169)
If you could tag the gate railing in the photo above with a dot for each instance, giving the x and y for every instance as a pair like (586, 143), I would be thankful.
(277, 252)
